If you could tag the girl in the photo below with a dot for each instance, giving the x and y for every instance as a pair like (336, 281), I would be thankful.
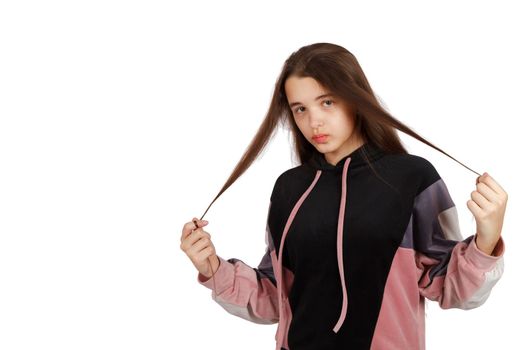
(359, 233)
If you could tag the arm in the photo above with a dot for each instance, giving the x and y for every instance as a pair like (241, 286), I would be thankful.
(451, 270)
(247, 292)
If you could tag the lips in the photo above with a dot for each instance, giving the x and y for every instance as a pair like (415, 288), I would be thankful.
(320, 138)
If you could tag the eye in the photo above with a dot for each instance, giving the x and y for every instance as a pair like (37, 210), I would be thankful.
(297, 109)
(331, 102)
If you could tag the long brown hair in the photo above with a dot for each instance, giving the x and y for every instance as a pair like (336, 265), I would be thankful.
(336, 69)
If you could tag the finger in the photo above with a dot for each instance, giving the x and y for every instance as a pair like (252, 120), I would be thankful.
(204, 254)
(474, 208)
(189, 227)
(194, 237)
(199, 245)
(479, 199)
(487, 192)
(492, 183)
(189, 241)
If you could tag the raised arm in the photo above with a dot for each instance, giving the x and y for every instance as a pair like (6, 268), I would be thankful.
(244, 291)
(452, 271)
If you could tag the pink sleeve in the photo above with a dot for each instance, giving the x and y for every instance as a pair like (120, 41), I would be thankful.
(470, 275)
(247, 292)
(450, 270)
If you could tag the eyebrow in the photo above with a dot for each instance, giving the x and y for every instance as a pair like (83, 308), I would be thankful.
(317, 98)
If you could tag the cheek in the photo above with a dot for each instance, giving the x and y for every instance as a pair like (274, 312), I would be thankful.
(345, 125)
(303, 127)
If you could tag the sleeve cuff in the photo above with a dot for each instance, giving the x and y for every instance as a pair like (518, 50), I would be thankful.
(480, 259)
(224, 277)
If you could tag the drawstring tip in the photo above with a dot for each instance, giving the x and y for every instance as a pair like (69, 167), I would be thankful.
(336, 328)
(339, 323)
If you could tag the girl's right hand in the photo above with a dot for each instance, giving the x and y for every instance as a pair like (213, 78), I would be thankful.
(198, 246)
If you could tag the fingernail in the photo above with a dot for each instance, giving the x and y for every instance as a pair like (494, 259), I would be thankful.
(206, 222)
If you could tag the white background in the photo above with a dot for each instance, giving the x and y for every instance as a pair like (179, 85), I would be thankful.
(121, 120)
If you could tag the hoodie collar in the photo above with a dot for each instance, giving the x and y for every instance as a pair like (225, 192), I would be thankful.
(359, 157)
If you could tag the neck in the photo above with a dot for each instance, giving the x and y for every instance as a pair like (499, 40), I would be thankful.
(333, 159)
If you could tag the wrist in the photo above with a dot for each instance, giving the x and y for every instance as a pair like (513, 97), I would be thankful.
(213, 265)
(485, 246)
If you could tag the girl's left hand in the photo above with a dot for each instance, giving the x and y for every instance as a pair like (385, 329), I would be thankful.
(488, 205)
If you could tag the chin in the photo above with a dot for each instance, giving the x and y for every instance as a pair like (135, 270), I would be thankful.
(323, 150)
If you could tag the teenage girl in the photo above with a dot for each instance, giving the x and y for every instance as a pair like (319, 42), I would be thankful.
(359, 233)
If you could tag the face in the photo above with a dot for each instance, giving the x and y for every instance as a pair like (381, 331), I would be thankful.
(318, 112)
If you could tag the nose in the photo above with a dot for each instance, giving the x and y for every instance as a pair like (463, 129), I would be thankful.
(316, 120)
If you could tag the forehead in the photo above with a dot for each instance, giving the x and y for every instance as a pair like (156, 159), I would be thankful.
(303, 89)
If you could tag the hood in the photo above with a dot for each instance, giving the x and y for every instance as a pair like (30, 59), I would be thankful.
(359, 156)
(355, 159)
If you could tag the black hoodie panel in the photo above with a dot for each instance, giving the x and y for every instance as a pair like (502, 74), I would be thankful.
(375, 219)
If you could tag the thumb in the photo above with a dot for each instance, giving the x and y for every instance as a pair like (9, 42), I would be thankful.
(199, 223)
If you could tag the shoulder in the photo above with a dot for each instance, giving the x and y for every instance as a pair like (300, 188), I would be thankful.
(425, 171)
(420, 165)
(414, 168)
(292, 181)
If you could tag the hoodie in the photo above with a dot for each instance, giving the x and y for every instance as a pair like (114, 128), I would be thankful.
(352, 252)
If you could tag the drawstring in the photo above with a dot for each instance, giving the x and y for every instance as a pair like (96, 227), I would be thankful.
(292, 214)
(339, 246)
